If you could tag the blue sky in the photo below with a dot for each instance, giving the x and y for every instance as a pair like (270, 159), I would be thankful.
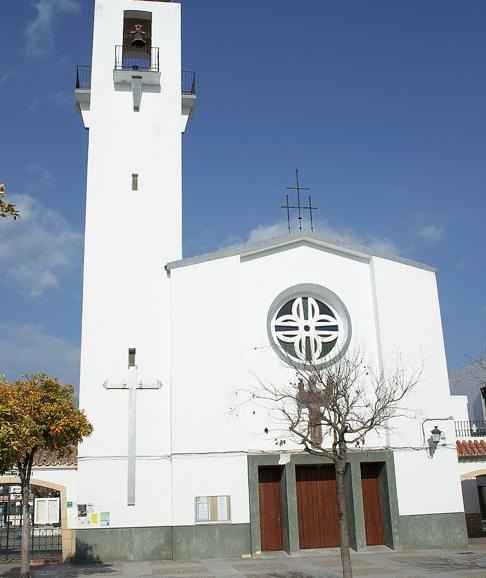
(380, 104)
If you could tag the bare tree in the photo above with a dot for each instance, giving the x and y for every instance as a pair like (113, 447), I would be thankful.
(331, 409)
(477, 369)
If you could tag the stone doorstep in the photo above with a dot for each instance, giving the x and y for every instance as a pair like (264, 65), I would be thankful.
(245, 566)
(179, 571)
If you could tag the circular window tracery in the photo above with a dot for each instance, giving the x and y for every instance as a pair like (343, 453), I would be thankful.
(309, 325)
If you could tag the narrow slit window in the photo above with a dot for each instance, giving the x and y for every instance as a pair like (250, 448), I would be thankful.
(131, 357)
(134, 181)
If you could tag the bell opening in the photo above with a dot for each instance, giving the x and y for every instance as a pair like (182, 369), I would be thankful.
(137, 40)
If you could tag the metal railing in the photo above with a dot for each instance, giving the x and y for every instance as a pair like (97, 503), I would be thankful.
(188, 82)
(45, 540)
(83, 77)
(475, 428)
(144, 58)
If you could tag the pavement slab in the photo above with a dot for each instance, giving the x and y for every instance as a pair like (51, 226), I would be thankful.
(379, 562)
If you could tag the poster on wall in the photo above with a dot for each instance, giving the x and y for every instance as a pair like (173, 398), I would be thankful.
(104, 518)
(213, 509)
(202, 509)
(82, 514)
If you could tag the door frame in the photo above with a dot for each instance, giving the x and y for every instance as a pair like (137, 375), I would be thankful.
(280, 470)
(67, 536)
(390, 513)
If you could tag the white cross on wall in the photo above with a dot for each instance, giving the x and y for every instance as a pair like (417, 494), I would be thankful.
(132, 384)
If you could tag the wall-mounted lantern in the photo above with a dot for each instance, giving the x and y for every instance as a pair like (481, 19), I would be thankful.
(436, 435)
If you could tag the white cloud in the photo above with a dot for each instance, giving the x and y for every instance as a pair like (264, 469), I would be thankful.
(38, 179)
(431, 233)
(27, 349)
(263, 232)
(5, 76)
(38, 250)
(39, 32)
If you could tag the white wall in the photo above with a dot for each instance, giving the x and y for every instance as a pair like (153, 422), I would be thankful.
(428, 484)
(203, 331)
(66, 477)
(210, 475)
(130, 235)
(460, 405)
(104, 484)
(221, 351)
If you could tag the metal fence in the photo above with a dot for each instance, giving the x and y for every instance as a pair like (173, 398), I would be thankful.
(83, 77)
(137, 58)
(45, 539)
(188, 82)
(475, 428)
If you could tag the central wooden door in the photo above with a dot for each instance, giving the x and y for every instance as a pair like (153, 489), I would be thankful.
(372, 503)
(317, 507)
(269, 486)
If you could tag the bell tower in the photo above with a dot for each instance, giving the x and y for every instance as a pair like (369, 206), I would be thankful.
(135, 101)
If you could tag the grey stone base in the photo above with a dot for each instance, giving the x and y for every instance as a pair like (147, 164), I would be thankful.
(162, 543)
(433, 531)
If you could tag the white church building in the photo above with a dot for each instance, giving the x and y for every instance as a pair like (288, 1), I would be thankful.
(177, 466)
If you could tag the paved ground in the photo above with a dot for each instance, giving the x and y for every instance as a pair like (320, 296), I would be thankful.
(378, 561)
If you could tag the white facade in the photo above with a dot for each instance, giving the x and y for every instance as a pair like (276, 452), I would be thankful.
(200, 326)
(382, 297)
(129, 237)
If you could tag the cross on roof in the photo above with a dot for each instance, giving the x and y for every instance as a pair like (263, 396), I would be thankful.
(299, 207)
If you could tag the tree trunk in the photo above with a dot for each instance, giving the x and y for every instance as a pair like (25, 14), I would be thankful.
(343, 518)
(25, 545)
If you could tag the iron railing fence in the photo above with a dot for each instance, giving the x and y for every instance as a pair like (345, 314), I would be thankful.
(188, 82)
(474, 428)
(143, 58)
(83, 77)
(45, 539)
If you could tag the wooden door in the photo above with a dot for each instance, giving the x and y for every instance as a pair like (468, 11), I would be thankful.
(372, 503)
(317, 507)
(269, 485)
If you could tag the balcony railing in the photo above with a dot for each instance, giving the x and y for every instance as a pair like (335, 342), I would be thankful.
(188, 82)
(83, 77)
(137, 58)
(470, 429)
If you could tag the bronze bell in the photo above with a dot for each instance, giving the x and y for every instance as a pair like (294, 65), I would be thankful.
(138, 40)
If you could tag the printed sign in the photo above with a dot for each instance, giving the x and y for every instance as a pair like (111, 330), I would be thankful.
(104, 518)
(46, 511)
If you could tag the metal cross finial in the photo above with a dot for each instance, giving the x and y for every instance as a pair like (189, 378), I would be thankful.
(300, 207)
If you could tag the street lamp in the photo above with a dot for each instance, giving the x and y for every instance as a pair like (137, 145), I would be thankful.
(436, 435)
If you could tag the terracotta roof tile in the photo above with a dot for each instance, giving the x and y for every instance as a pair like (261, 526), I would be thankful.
(470, 448)
(46, 458)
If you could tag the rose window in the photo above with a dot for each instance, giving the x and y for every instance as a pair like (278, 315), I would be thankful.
(308, 329)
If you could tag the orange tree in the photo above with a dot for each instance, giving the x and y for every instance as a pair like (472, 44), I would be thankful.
(7, 209)
(36, 413)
